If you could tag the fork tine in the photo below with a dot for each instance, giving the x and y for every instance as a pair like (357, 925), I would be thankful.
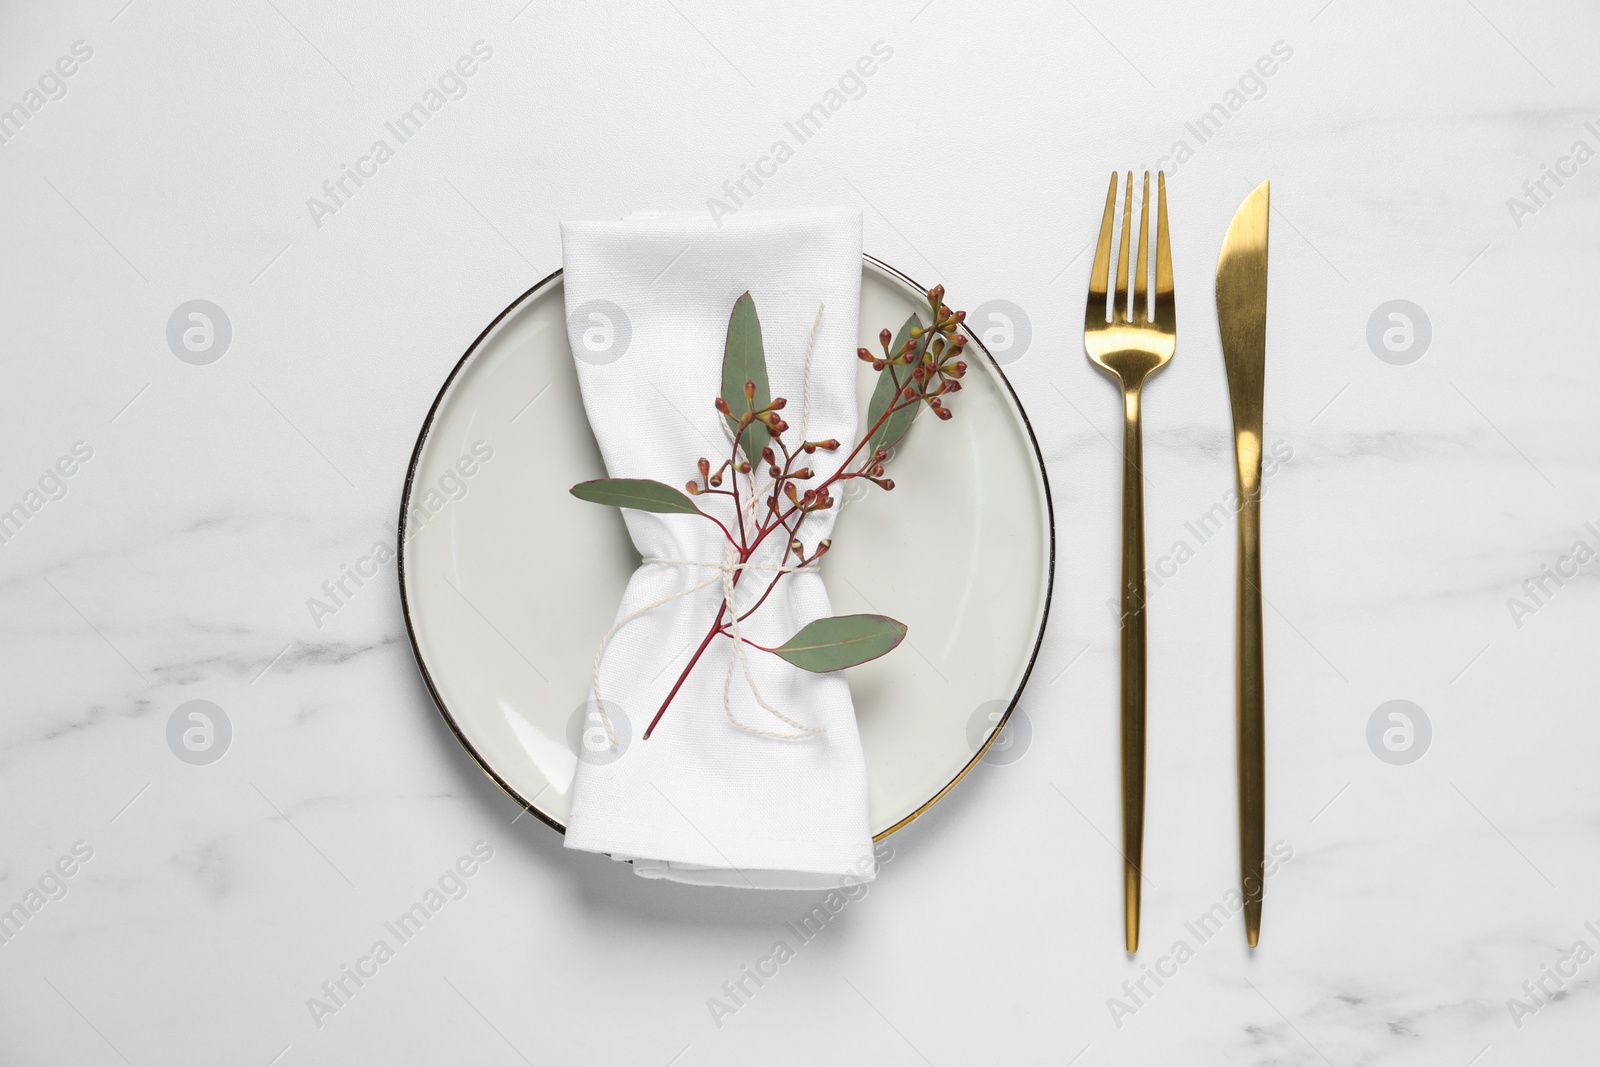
(1165, 316)
(1095, 316)
(1141, 278)
(1120, 308)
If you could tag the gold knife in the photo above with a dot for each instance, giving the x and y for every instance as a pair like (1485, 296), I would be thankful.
(1242, 319)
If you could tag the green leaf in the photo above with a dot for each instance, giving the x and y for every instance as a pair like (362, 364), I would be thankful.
(841, 641)
(890, 432)
(745, 360)
(642, 494)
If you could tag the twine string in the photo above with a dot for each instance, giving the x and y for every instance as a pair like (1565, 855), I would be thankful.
(726, 571)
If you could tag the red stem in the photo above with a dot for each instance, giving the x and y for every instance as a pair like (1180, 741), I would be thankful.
(685, 675)
(745, 552)
(836, 475)
(724, 529)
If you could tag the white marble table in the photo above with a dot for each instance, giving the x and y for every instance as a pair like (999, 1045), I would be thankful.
(196, 152)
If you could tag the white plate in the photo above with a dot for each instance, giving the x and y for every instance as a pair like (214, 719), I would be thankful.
(508, 582)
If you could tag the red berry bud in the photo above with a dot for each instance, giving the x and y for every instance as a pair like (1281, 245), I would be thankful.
(864, 354)
(885, 336)
(778, 404)
(750, 391)
(722, 406)
(692, 488)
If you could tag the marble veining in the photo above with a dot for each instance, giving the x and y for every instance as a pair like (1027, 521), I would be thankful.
(1440, 906)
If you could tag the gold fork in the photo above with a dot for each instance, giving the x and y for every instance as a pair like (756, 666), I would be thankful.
(1130, 345)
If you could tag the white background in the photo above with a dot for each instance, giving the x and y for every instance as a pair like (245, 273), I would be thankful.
(219, 498)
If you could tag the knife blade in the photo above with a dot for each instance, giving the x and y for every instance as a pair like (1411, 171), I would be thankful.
(1242, 321)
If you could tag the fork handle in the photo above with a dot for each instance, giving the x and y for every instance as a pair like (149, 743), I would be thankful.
(1133, 661)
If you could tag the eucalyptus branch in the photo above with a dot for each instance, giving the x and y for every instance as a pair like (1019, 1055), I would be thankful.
(923, 366)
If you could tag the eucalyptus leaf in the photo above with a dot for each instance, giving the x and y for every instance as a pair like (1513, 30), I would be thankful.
(841, 641)
(641, 494)
(889, 434)
(744, 359)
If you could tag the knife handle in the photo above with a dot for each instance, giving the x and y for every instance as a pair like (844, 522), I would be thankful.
(1251, 703)
(1133, 663)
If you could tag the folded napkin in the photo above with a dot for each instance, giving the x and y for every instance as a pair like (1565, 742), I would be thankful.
(723, 792)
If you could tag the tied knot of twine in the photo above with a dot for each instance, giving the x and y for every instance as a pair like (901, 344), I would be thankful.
(727, 571)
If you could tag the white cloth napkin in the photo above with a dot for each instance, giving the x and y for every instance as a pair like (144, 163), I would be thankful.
(703, 801)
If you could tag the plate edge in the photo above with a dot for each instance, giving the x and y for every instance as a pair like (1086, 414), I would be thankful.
(505, 787)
